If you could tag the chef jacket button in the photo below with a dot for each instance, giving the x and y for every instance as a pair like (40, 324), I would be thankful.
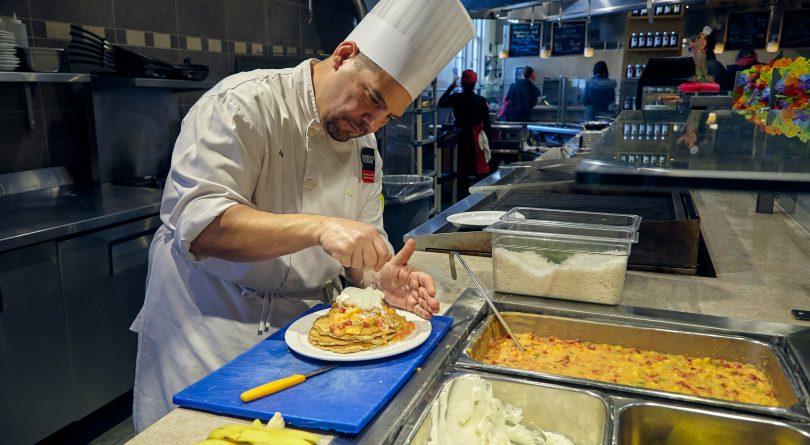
(349, 192)
(310, 183)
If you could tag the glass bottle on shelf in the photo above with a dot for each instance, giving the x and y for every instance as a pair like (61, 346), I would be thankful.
(657, 40)
(633, 41)
(667, 9)
(659, 10)
(649, 40)
(630, 72)
(673, 39)
(664, 39)
(676, 8)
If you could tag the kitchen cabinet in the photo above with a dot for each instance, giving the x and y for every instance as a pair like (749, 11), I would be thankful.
(35, 386)
(103, 283)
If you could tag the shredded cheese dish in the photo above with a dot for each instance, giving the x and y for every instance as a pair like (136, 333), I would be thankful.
(704, 377)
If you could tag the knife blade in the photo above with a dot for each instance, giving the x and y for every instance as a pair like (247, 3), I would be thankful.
(281, 384)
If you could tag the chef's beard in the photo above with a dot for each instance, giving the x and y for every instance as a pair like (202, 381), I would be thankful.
(339, 133)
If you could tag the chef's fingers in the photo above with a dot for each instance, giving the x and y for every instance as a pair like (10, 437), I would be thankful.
(403, 256)
(369, 257)
(413, 281)
(383, 254)
(426, 281)
(420, 311)
(424, 301)
(344, 259)
(357, 258)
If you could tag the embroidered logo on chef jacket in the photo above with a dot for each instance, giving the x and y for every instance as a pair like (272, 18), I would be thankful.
(367, 160)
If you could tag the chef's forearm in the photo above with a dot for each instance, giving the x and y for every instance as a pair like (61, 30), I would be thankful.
(244, 234)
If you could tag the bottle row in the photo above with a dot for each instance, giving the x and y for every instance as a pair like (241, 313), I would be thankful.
(657, 39)
(644, 160)
(649, 131)
(634, 71)
(667, 9)
(629, 103)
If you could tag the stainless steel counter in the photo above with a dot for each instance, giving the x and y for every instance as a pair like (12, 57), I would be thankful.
(33, 217)
(404, 414)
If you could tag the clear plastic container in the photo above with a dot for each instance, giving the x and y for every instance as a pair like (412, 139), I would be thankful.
(570, 255)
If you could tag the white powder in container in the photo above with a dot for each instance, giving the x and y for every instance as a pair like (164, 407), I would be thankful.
(591, 277)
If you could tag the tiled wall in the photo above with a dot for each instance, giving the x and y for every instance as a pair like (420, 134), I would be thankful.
(210, 32)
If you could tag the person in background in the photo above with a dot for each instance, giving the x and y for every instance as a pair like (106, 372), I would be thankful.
(746, 58)
(472, 117)
(600, 92)
(713, 66)
(522, 97)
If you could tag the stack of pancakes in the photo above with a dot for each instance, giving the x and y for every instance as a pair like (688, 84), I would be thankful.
(346, 329)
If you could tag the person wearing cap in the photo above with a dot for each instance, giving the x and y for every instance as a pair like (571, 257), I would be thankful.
(274, 192)
(522, 97)
(472, 117)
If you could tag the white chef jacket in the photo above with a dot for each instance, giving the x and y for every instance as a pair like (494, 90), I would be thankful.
(254, 139)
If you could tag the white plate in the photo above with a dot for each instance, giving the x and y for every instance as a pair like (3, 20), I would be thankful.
(296, 338)
(475, 219)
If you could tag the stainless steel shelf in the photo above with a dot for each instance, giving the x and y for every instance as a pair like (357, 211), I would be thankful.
(170, 84)
(25, 77)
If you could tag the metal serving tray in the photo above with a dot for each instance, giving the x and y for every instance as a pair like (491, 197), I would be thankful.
(788, 390)
(641, 423)
(582, 415)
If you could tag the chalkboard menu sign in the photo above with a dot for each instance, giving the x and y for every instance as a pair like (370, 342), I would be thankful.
(567, 38)
(747, 29)
(795, 29)
(524, 39)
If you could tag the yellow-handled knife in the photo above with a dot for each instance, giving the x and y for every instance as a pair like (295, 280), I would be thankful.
(281, 384)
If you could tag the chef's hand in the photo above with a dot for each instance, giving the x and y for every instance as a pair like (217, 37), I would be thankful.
(407, 288)
(355, 244)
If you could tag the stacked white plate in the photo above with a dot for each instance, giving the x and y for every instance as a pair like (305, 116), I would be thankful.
(8, 52)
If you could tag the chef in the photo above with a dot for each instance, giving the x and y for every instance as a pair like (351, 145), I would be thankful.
(275, 191)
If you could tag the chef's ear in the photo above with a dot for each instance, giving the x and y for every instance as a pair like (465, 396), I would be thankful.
(344, 51)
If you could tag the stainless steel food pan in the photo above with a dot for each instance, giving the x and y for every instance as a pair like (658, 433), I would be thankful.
(645, 423)
(581, 415)
(761, 355)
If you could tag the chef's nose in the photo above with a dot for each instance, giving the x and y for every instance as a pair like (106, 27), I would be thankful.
(375, 120)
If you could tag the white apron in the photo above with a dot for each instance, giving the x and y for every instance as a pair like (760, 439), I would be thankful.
(254, 139)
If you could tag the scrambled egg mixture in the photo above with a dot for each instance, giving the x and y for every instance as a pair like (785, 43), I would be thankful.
(346, 329)
(705, 377)
(353, 321)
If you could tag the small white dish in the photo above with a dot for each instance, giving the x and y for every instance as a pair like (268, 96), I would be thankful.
(475, 219)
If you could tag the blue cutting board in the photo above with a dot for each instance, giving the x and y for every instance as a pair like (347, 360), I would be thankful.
(344, 399)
